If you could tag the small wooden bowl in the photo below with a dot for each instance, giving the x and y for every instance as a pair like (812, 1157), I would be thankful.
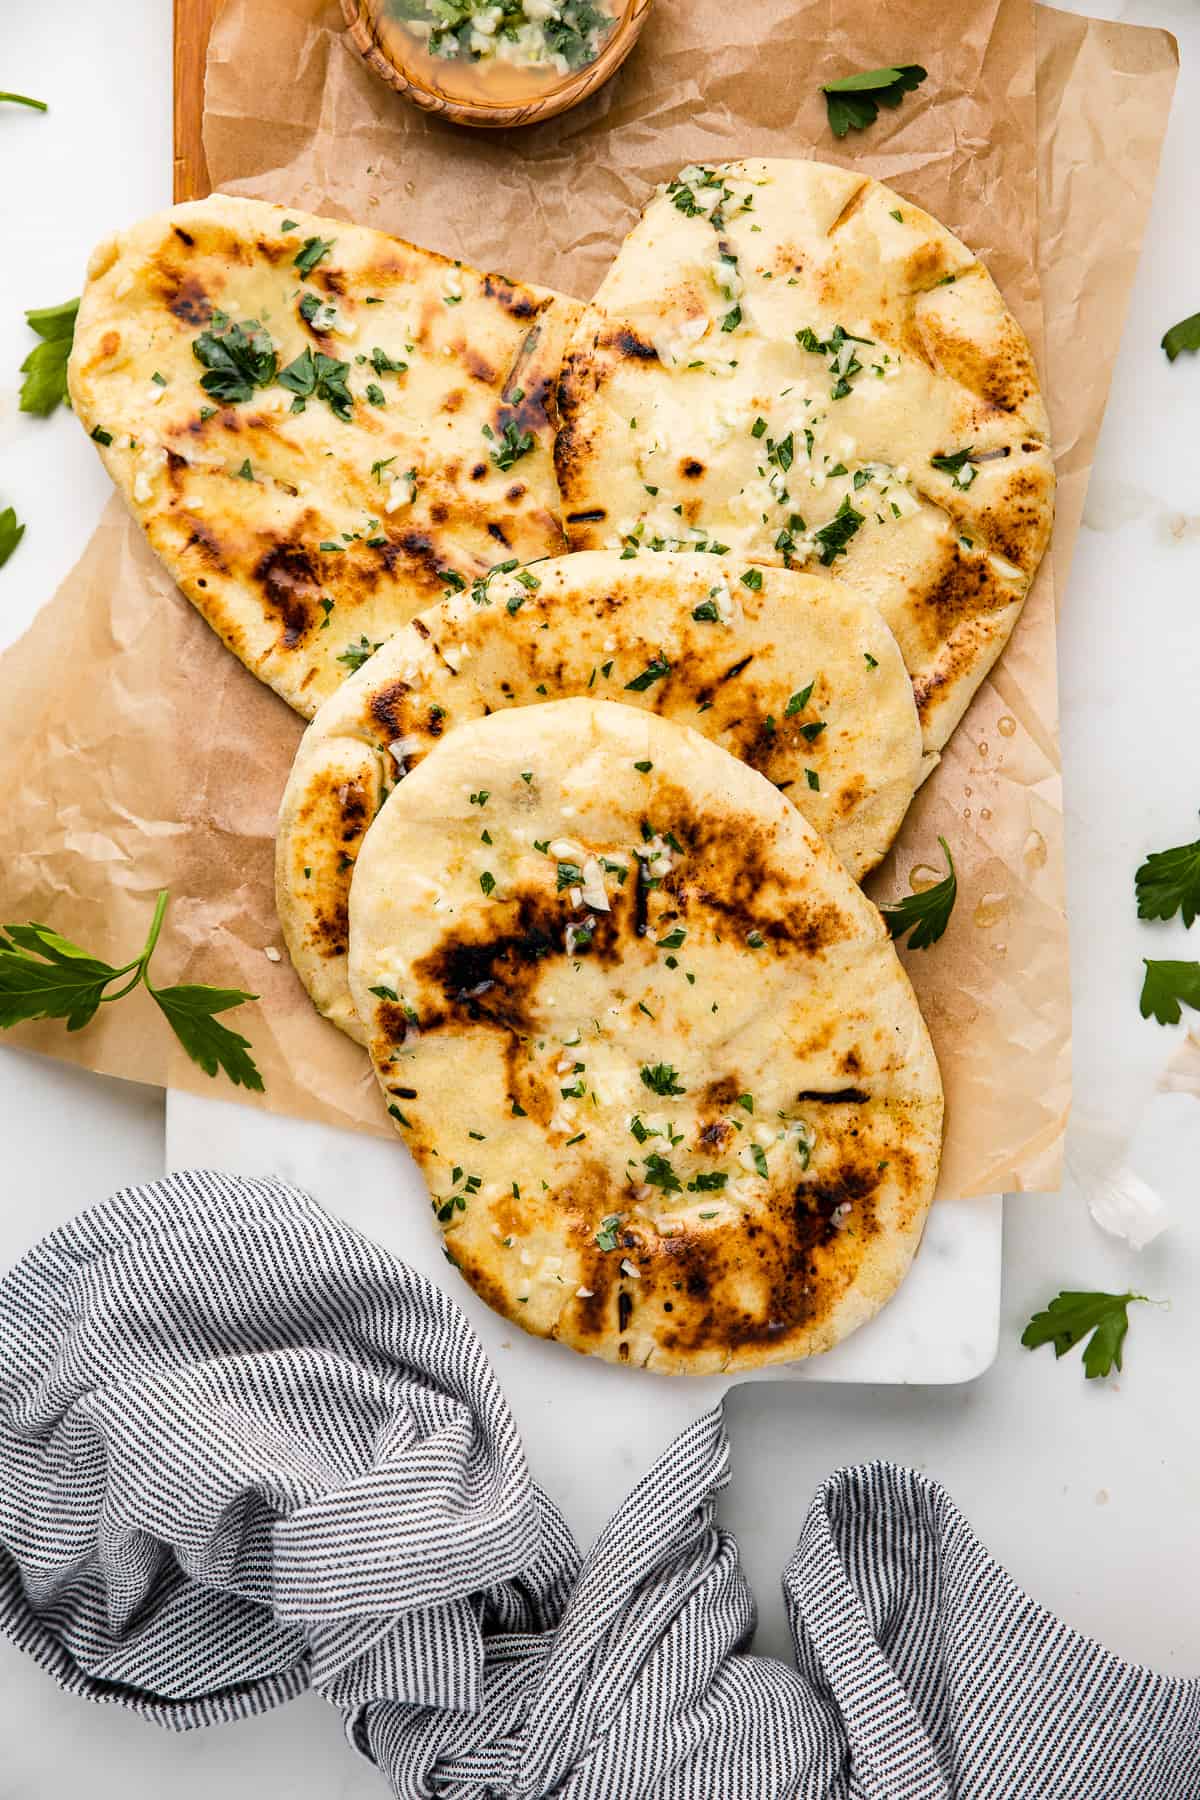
(424, 93)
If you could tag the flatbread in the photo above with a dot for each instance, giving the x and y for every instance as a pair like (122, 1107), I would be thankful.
(795, 674)
(708, 394)
(515, 994)
(306, 538)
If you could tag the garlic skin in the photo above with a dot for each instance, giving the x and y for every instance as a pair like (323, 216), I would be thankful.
(1127, 1207)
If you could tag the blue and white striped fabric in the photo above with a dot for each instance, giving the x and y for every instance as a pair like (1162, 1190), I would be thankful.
(243, 1452)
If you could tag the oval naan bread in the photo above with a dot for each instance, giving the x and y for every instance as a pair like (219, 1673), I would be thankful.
(394, 423)
(793, 360)
(795, 674)
(650, 1045)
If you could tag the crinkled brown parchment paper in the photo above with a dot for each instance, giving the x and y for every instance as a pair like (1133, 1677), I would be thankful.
(136, 753)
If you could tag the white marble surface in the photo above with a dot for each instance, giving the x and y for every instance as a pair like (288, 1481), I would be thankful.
(1089, 1492)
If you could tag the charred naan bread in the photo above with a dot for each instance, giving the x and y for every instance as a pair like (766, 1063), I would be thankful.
(650, 1045)
(795, 674)
(315, 424)
(794, 361)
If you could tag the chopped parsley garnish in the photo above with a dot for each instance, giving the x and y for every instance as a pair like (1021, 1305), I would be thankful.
(383, 364)
(758, 428)
(487, 882)
(606, 1237)
(662, 1078)
(513, 444)
(674, 940)
(707, 1181)
(853, 102)
(100, 436)
(237, 358)
(927, 914)
(375, 394)
(798, 701)
(760, 1159)
(752, 579)
(746, 1101)
(813, 779)
(660, 1174)
(317, 376)
(654, 671)
(707, 612)
(246, 473)
(959, 465)
(569, 875)
(355, 655)
(872, 662)
(643, 768)
(834, 536)
(312, 251)
(755, 940)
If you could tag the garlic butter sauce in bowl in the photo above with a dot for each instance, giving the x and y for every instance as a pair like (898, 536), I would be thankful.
(495, 62)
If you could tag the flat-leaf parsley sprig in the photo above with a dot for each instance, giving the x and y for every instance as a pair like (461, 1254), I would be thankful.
(853, 102)
(926, 914)
(1184, 336)
(45, 368)
(1072, 1316)
(45, 976)
(1168, 882)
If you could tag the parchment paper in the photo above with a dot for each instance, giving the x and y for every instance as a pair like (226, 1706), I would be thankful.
(136, 753)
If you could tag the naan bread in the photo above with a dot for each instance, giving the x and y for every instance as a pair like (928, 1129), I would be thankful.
(777, 359)
(795, 674)
(307, 537)
(688, 1120)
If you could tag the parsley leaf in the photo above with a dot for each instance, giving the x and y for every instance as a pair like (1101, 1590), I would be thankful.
(312, 251)
(1184, 336)
(45, 976)
(1071, 1316)
(514, 444)
(319, 377)
(606, 1237)
(661, 1078)
(927, 914)
(959, 466)
(853, 102)
(1167, 987)
(238, 359)
(660, 1174)
(1168, 882)
(189, 1010)
(45, 368)
(654, 671)
(834, 536)
(355, 655)
(11, 534)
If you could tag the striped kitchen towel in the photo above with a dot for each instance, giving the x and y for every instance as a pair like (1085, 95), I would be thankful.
(243, 1452)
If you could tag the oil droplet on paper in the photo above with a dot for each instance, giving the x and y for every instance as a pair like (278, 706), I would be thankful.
(921, 877)
(1006, 726)
(966, 793)
(985, 812)
(990, 910)
(1035, 850)
(983, 749)
(966, 812)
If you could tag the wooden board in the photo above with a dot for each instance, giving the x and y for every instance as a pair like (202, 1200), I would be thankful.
(193, 23)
